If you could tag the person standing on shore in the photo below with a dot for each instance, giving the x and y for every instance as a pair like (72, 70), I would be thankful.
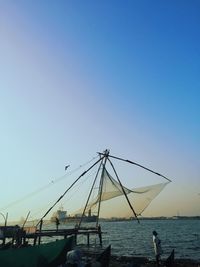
(157, 247)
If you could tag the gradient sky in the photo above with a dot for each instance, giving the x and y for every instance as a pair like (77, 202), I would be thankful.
(77, 77)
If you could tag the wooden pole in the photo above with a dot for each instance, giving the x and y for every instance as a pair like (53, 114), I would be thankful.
(101, 184)
(58, 200)
(90, 194)
(40, 230)
(131, 162)
(26, 219)
(124, 191)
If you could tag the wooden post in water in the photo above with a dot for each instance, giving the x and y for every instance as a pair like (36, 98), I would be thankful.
(88, 239)
(35, 240)
(100, 235)
(40, 230)
(4, 235)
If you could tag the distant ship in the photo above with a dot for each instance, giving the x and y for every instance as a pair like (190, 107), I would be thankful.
(62, 217)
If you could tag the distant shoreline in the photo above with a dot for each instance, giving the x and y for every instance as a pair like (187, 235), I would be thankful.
(152, 218)
(117, 219)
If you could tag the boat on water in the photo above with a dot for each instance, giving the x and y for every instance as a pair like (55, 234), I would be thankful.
(62, 217)
(51, 254)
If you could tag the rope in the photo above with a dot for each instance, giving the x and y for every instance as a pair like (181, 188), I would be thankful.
(50, 184)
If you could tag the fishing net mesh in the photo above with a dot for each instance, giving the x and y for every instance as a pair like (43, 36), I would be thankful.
(114, 197)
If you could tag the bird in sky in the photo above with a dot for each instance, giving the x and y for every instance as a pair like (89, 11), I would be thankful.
(66, 167)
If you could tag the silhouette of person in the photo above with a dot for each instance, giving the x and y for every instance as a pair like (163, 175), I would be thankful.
(157, 247)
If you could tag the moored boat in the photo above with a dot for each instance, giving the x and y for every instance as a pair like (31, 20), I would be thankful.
(50, 254)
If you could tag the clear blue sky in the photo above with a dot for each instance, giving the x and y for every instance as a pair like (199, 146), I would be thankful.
(77, 77)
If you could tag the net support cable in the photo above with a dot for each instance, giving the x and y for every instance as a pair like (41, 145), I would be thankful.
(58, 200)
(123, 190)
(137, 164)
(90, 193)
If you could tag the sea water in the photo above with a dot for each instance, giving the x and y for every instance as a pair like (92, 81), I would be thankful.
(129, 238)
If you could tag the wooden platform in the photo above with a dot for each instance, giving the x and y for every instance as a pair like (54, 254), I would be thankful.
(18, 236)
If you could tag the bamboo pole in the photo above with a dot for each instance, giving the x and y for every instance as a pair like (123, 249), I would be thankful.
(124, 191)
(58, 200)
(106, 153)
(139, 165)
(90, 193)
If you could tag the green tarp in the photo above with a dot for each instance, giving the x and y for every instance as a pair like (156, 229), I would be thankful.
(45, 255)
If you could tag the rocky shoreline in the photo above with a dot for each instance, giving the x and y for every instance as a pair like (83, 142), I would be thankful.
(124, 261)
(131, 261)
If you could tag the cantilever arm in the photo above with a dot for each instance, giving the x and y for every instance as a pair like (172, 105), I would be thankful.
(139, 165)
(58, 200)
(124, 191)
